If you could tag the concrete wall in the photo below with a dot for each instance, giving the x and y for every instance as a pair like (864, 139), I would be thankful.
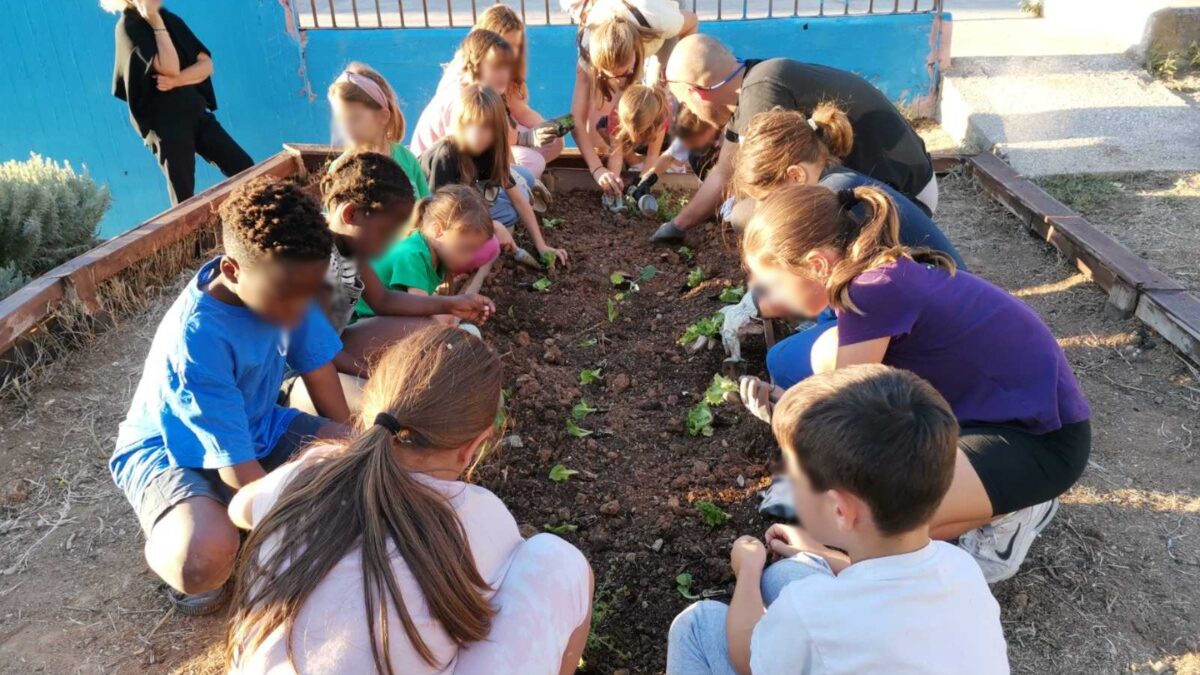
(270, 79)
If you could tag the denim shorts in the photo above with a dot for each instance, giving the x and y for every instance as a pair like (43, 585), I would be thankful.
(178, 483)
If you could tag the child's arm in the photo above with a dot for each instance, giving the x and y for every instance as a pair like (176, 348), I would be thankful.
(385, 301)
(616, 161)
(519, 108)
(241, 475)
(581, 108)
(525, 211)
(325, 390)
(747, 557)
(789, 540)
(653, 152)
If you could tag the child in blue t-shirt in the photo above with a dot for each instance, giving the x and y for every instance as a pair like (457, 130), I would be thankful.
(204, 421)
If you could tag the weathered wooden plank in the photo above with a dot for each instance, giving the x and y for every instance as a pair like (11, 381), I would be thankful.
(1175, 315)
(24, 310)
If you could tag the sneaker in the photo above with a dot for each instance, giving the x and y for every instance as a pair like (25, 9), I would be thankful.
(1001, 546)
(777, 499)
(200, 604)
(540, 198)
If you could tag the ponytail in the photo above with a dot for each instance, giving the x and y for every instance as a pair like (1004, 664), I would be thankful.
(438, 390)
(778, 139)
(832, 127)
(641, 113)
(454, 207)
(861, 224)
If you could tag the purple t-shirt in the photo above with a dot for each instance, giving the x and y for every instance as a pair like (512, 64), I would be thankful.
(985, 351)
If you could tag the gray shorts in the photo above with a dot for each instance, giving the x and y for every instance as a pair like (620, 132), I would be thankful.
(178, 483)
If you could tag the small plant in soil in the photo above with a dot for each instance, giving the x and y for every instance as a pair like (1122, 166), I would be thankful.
(549, 259)
(561, 528)
(611, 310)
(647, 273)
(588, 341)
(686, 253)
(542, 285)
(721, 385)
(551, 223)
(561, 474)
(710, 513)
(616, 278)
(696, 277)
(581, 410)
(706, 327)
(700, 420)
(683, 584)
(576, 430)
(732, 295)
(590, 375)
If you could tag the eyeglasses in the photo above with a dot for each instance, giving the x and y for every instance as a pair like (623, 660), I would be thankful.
(713, 87)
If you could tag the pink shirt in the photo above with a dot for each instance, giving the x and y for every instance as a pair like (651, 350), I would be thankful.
(435, 120)
(330, 635)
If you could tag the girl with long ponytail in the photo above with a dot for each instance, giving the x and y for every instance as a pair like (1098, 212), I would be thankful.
(370, 556)
(1025, 431)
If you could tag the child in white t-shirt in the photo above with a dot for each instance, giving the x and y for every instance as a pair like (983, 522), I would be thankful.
(861, 588)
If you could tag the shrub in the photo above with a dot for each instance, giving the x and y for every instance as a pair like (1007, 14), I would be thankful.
(48, 215)
(11, 280)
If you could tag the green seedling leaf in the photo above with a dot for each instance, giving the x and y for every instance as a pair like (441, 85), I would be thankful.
(683, 584)
(715, 394)
(588, 342)
(696, 277)
(732, 295)
(549, 258)
(706, 327)
(647, 273)
(581, 410)
(590, 375)
(686, 253)
(576, 430)
(613, 311)
(710, 513)
(561, 474)
(551, 223)
(616, 278)
(699, 420)
(542, 285)
(561, 528)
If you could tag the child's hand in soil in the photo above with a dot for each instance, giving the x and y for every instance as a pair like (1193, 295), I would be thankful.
(788, 540)
(747, 553)
(759, 397)
(504, 237)
(560, 254)
(472, 307)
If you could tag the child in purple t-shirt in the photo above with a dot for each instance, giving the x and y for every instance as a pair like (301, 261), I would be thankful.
(1025, 435)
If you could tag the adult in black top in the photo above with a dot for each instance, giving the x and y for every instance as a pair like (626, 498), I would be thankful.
(164, 73)
(706, 78)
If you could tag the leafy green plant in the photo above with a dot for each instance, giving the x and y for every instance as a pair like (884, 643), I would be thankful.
(647, 273)
(683, 584)
(576, 430)
(588, 341)
(700, 420)
(11, 280)
(612, 311)
(590, 375)
(561, 474)
(551, 223)
(732, 295)
(710, 513)
(542, 285)
(1035, 8)
(616, 278)
(696, 277)
(706, 327)
(549, 259)
(561, 528)
(687, 253)
(671, 202)
(581, 410)
(715, 394)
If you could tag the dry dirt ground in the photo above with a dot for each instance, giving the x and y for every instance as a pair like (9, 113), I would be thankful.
(1112, 585)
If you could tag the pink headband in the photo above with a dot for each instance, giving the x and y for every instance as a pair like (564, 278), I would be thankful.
(367, 85)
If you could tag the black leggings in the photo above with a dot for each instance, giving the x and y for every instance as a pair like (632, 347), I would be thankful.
(1019, 469)
(177, 144)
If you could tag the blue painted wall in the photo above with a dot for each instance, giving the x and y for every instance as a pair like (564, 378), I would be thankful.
(270, 81)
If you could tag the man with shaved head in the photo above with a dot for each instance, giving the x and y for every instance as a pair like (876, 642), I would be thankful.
(728, 92)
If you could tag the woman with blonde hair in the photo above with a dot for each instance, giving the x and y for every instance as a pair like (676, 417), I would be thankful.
(164, 73)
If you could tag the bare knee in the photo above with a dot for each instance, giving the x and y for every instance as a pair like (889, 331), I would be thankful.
(194, 547)
(824, 351)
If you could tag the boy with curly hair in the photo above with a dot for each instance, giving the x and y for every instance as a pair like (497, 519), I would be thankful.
(204, 421)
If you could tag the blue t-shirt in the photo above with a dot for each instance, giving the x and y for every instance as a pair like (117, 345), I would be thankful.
(916, 228)
(207, 398)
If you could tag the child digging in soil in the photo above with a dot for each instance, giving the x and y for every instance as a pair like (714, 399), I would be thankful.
(367, 199)
(204, 420)
(369, 555)
(476, 153)
(640, 128)
(870, 455)
(1025, 436)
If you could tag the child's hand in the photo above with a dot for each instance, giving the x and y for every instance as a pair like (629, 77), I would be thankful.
(559, 253)
(608, 181)
(788, 540)
(507, 244)
(747, 553)
(472, 307)
(758, 397)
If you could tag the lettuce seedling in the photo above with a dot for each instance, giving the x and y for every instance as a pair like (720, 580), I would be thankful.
(700, 420)
(710, 513)
(542, 285)
(561, 474)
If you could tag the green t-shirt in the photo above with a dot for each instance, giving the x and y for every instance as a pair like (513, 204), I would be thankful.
(412, 167)
(407, 264)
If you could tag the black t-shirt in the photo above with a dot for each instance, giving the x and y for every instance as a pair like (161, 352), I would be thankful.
(885, 146)
(442, 164)
(133, 74)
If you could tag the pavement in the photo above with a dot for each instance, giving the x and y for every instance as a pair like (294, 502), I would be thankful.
(1053, 99)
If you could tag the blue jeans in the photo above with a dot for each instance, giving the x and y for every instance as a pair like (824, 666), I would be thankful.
(502, 209)
(790, 360)
(696, 644)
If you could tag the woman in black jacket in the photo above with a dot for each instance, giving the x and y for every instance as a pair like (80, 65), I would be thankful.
(164, 73)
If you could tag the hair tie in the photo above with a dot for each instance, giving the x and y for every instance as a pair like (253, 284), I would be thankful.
(847, 199)
(388, 422)
(369, 87)
(850, 226)
(816, 128)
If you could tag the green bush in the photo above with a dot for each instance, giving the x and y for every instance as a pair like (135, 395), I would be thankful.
(48, 215)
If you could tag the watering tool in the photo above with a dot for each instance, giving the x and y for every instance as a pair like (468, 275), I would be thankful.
(640, 194)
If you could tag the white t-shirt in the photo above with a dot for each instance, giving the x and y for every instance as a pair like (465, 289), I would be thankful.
(330, 636)
(927, 612)
(662, 16)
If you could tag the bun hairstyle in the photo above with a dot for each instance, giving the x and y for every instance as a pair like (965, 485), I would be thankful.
(611, 45)
(641, 112)
(501, 19)
(780, 138)
(478, 104)
(346, 90)
(798, 219)
(480, 47)
(454, 207)
(435, 391)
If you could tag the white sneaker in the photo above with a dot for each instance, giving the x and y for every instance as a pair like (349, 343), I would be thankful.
(1001, 546)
